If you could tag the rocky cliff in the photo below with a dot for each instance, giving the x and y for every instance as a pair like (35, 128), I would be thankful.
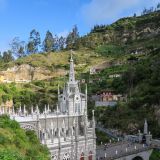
(26, 73)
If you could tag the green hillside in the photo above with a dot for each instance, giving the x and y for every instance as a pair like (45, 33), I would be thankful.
(141, 83)
(16, 144)
(129, 47)
(83, 58)
(45, 92)
(126, 31)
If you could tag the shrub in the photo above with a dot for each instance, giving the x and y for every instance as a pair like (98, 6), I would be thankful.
(106, 50)
(10, 155)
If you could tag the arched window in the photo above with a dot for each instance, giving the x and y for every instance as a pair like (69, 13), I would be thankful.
(56, 133)
(43, 135)
(82, 156)
(90, 156)
(66, 156)
(77, 107)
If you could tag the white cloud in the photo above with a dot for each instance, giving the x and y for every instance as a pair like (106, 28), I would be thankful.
(98, 11)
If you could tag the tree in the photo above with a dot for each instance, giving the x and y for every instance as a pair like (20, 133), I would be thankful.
(147, 11)
(30, 47)
(48, 43)
(61, 43)
(34, 42)
(17, 47)
(7, 56)
(1, 56)
(69, 41)
(21, 51)
(129, 78)
(144, 11)
(56, 43)
(72, 39)
(158, 6)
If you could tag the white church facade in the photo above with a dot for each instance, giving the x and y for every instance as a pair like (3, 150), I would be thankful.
(67, 132)
(74, 136)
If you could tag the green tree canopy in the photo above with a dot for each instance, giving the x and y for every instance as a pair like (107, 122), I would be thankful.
(72, 39)
(34, 42)
(48, 43)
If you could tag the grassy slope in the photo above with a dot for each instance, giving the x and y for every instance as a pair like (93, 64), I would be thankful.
(60, 59)
(44, 92)
(16, 144)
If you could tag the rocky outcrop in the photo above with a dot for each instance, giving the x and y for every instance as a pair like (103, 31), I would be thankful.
(129, 35)
(26, 73)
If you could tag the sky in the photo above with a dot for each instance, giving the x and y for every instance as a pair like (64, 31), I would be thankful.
(19, 17)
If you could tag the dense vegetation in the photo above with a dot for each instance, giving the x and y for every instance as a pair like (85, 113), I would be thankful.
(137, 60)
(102, 138)
(140, 72)
(16, 144)
(155, 155)
(141, 83)
(45, 92)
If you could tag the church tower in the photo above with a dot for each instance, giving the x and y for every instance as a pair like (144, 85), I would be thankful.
(71, 71)
(71, 101)
(67, 132)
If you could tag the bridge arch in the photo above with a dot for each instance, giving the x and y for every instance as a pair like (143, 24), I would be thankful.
(137, 158)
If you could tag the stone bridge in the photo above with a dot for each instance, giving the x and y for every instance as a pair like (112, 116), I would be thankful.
(131, 147)
(124, 151)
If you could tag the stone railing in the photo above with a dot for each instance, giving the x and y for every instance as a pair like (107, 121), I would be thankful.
(124, 154)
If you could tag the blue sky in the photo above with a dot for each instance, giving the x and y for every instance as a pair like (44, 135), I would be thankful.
(19, 17)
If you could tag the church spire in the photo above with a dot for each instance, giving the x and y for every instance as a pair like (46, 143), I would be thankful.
(71, 71)
(145, 127)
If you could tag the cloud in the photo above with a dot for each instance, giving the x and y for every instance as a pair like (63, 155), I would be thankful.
(99, 11)
(3, 5)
